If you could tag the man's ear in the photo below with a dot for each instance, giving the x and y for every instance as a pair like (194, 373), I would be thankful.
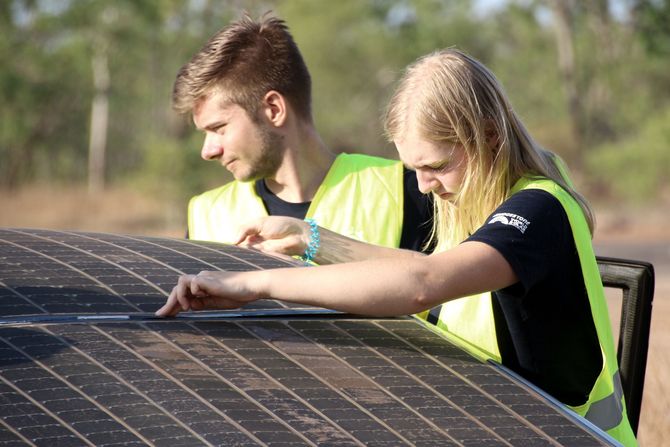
(275, 108)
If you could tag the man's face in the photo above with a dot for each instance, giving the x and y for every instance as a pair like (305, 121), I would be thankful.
(249, 149)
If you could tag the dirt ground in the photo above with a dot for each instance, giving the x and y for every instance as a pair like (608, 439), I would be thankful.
(644, 235)
(640, 233)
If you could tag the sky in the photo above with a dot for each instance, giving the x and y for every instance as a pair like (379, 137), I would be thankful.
(618, 8)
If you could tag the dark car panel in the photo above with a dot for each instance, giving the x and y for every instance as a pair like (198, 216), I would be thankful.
(83, 361)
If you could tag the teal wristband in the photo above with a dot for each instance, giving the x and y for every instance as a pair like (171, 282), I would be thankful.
(314, 241)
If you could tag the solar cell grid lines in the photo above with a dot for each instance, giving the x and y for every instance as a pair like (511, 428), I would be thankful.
(55, 272)
(271, 375)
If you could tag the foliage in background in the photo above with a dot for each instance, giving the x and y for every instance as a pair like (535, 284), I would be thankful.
(355, 50)
(637, 167)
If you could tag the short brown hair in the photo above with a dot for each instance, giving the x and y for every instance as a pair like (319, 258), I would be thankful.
(246, 59)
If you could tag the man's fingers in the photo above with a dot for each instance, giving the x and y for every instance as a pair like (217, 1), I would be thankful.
(248, 230)
(276, 248)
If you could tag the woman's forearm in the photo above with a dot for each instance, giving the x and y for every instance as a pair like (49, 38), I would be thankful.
(381, 287)
(376, 288)
(392, 286)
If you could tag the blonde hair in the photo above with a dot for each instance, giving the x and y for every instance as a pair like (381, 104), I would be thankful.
(451, 97)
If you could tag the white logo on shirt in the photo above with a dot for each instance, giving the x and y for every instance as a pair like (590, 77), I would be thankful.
(514, 220)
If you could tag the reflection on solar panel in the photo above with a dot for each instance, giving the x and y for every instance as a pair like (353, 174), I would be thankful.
(83, 361)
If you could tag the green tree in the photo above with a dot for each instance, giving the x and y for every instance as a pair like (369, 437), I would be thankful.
(355, 51)
(42, 92)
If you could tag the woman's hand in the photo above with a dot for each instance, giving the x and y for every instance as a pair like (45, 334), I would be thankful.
(276, 234)
(211, 290)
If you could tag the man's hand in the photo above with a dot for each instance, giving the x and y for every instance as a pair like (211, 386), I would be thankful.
(209, 290)
(276, 234)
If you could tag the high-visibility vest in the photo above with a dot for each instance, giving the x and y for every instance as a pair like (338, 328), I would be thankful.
(469, 322)
(360, 197)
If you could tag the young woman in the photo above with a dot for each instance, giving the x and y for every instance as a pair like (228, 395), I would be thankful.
(513, 276)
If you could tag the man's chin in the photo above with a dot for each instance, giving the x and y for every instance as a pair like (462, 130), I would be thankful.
(244, 176)
(244, 179)
(238, 174)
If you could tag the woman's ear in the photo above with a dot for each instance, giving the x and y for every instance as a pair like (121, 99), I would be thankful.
(492, 139)
(275, 108)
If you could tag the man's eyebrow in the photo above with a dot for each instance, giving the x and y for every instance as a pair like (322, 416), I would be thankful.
(213, 125)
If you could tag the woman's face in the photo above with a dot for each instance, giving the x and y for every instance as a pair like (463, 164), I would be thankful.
(439, 166)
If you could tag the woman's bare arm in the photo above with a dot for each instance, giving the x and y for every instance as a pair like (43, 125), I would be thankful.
(382, 287)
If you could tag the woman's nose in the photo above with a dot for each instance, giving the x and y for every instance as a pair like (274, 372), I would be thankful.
(426, 182)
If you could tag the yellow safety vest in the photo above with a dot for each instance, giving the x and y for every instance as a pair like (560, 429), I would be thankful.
(361, 197)
(469, 322)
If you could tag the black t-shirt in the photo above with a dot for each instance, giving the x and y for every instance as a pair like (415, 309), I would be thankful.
(543, 323)
(417, 210)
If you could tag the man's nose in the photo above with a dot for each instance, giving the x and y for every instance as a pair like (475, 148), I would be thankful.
(211, 148)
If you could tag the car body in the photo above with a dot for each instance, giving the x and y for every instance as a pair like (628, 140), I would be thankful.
(84, 361)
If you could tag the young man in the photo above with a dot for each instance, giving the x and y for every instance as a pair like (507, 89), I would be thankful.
(249, 91)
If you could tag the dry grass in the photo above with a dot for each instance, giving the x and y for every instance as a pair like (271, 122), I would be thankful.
(72, 208)
(126, 211)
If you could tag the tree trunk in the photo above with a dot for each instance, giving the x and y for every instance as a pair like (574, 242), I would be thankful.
(99, 121)
(563, 28)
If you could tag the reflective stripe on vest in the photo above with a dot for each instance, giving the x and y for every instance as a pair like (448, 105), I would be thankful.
(361, 197)
(607, 412)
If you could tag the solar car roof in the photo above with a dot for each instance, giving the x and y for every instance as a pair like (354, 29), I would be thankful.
(83, 361)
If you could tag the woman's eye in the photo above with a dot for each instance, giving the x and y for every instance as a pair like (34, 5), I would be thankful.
(439, 167)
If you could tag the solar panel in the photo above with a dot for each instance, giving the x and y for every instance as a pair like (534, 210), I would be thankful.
(56, 272)
(84, 362)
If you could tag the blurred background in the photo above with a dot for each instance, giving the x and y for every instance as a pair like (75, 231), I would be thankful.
(88, 140)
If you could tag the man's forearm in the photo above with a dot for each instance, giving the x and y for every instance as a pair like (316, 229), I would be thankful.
(336, 248)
